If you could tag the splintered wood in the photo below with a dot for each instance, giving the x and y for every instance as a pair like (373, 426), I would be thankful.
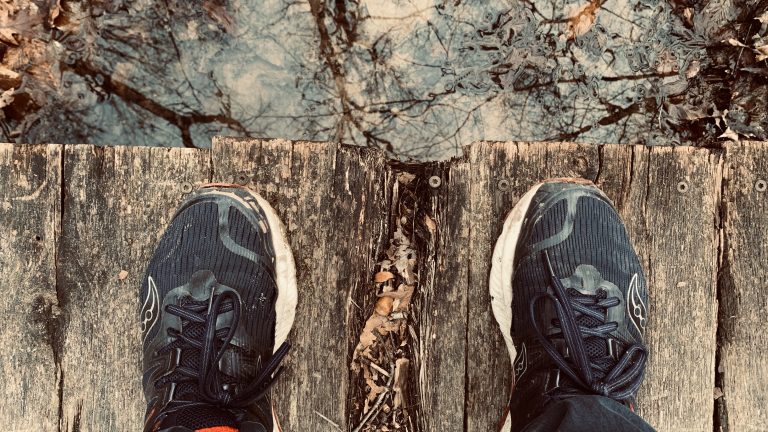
(381, 358)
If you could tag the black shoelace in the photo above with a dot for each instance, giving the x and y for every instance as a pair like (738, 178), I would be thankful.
(604, 376)
(215, 387)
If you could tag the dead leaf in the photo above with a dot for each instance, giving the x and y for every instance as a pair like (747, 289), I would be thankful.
(581, 19)
(693, 69)
(54, 12)
(366, 336)
(718, 393)
(122, 275)
(375, 389)
(384, 306)
(403, 294)
(763, 18)
(405, 178)
(6, 35)
(730, 134)
(6, 97)
(383, 276)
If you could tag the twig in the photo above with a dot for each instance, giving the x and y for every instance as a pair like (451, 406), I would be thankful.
(328, 420)
(378, 368)
(379, 400)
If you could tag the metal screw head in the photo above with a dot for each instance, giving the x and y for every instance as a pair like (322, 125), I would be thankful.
(682, 187)
(186, 187)
(435, 181)
(242, 179)
(503, 184)
(761, 185)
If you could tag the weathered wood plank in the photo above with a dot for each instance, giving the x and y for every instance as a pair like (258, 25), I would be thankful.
(743, 340)
(441, 306)
(117, 202)
(331, 199)
(668, 198)
(30, 182)
(501, 173)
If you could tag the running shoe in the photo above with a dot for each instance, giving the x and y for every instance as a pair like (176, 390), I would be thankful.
(568, 292)
(216, 305)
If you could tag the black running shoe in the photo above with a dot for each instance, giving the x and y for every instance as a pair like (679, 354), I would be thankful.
(569, 294)
(217, 303)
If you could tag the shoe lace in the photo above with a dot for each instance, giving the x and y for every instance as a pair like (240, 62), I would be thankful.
(601, 375)
(199, 334)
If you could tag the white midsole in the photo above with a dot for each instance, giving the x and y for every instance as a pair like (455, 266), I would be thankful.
(285, 274)
(500, 279)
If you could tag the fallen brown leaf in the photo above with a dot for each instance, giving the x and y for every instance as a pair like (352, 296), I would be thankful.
(383, 276)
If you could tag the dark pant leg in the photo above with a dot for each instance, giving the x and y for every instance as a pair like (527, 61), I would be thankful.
(587, 414)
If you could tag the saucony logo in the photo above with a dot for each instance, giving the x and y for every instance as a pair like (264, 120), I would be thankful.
(521, 362)
(150, 310)
(636, 308)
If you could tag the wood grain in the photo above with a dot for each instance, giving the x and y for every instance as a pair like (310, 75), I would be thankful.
(669, 200)
(331, 199)
(71, 357)
(30, 181)
(441, 305)
(117, 202)
(744, 290)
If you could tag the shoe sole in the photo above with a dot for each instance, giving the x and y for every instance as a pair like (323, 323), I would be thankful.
(500, 279)
(285, 270)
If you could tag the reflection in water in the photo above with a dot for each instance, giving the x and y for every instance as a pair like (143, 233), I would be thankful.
(419, 78)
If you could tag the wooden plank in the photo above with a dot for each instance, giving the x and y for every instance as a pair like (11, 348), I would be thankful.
(501, 173)
(672, 226)
(30, 182)
(117, 202)
(441, 304)
(743, 370)
(330, 197)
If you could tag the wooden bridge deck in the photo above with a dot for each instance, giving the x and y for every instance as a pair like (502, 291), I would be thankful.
(78, 223)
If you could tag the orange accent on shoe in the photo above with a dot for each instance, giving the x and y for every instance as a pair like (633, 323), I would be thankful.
(218, 429)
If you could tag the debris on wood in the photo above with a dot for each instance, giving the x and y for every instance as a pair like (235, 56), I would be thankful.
(381, 360)
(718, 393)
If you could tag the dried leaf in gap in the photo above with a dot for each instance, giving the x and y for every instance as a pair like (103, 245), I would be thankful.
(367, 337)
(54, 11)
(405, 178)
(6, 35)
(384, 306)
(6, 98)
(718, 393)
(693, 69)
(388, 327)
(403, 294)
(730, 134)
(122, 275)
(383, 276)
(375, 389)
